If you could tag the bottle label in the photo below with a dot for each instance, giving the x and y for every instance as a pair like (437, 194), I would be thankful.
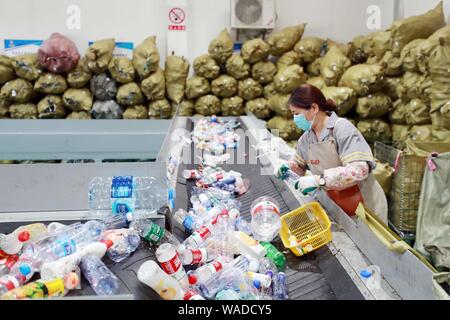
(122, 187)
(9, 282)
(215, 266)
(10, 261)
(192, 295)
(188, 223)
(122, 201)
(171, 266)
(265, 205)
(155, 234)
(201, 234)
(198, 256)
(64, 247)
(3, 254)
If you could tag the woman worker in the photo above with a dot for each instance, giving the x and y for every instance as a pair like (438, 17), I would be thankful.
(336, 153)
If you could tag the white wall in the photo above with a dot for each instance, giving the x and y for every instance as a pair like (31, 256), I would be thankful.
(416, 7)
(133, 20)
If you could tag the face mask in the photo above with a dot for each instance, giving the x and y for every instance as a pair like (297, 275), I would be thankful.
(302, 123)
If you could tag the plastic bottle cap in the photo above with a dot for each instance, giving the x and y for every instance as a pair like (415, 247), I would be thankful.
(257, 283)
(366, 274)
(25, 269)
(224, 211)
(23, 236)
(108, 243)
(192, 279)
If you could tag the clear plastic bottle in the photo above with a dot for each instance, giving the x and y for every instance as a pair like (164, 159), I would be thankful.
(266, 221)
(191, 295)
(192, 256)
(280, 290)
(191, 174)
(125, 242)
(167, 287)
(204, 273)
(7, 262)
(200, 235)
(245, 263)
(155, 234)
(14, 280)
(241, 224)
(12, 243)
(102, 280)
(266, 264)
(126, 194)
(169, 260)
(189, 221)
(64, 243)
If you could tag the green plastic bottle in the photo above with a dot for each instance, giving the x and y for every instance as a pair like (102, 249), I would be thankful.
(274, 255)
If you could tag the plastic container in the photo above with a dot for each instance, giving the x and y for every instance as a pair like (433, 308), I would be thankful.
(277, 257)
(192, 256)
(263, 279)
(167, 287)
(12, 243)
(265, 222)
(204, 273)
(170, 262)
(38, 290)
(124, 242)
(152, 232)
(305, 229)
(123, 194)
(280, 290)
(248, 245)
(102, 280)
(12, 281)
(7, 262)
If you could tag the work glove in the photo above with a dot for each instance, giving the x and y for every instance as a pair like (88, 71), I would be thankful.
(307, 184)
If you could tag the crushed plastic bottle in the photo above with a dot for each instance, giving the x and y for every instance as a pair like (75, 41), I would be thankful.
(12, 243)
(266, 221)
(204, 273)
(102, 280)
(14, 280)
(124, 242)
(192, 256)
(7, 262)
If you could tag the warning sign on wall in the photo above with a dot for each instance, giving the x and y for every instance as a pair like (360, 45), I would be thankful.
(177, 18)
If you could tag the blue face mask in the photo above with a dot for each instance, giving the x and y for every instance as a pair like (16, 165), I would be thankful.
(302, 123)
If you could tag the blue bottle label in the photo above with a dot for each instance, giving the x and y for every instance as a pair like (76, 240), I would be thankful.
(65, 248)
(188, 223)
(122, 201)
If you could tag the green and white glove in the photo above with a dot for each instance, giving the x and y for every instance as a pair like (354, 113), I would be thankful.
(307, 184)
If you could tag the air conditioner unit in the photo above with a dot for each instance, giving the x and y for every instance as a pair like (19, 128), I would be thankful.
(253, 14)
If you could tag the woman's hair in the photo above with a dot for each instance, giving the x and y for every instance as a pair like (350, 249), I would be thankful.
(305, 95)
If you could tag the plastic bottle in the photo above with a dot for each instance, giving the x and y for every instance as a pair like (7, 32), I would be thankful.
(227, 294)
(102, 280)
(41, 289)
(124, 242)
(7, 262)
(199, 236)
(126, 194)
(155, 234)
(166, 286)
(191, 295)
(64, 266)
(204, 273)
(263, 279)
(267, 293)
(169, 260)
(36, 231)
(277, 257)
(217, 283)
(14, 280)
(266, 221)
(190, 222)
(192, 256)
(245, 263)
(280, 290)
(191, 174)
(288, 175)
(265, 265)
(242, 225)
(12, 243)
(61, 244)
(248, 246)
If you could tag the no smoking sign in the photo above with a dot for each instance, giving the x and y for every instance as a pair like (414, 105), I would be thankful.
(177, 15)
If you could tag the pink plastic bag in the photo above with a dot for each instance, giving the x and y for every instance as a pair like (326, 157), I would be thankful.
(58, 54)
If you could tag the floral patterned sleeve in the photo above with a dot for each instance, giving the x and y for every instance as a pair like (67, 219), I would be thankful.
(341, 178)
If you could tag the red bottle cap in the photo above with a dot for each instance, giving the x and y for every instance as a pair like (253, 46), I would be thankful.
(192, 278)
(23, 236)
(225, 211)
(108, 243)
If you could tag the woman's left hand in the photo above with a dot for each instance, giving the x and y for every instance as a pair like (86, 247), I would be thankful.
(307, 184)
